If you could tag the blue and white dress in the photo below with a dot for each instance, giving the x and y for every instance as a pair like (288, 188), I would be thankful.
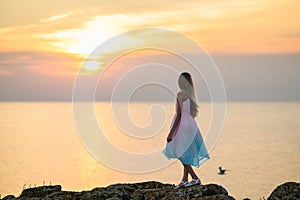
(187, 143)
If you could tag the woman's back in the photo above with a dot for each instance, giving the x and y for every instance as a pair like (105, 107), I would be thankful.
(186, 106)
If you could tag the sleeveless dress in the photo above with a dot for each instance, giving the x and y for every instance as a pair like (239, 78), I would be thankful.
(187, 143)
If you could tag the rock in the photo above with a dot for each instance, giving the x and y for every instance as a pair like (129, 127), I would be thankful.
(40, 192)
(8, 197)
(210, 191)
(151, 190)
(138, 191)
(286, 191)
(63, 195)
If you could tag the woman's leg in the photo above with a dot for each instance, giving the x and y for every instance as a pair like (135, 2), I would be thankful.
(185, 174)
(190, 171)
(184, 178)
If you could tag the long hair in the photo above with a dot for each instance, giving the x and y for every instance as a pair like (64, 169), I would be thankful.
(186, 84)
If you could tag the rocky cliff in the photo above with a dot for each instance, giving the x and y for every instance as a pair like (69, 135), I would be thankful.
(139, 191)
(149, 191)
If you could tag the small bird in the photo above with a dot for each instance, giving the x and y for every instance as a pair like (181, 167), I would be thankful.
(221, 171)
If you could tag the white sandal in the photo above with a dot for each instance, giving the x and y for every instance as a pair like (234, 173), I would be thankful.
(188, 184)
(193, 182)
(182, 184)
(196, 181)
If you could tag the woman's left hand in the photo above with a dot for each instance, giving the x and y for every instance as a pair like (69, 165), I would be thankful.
(169, 138)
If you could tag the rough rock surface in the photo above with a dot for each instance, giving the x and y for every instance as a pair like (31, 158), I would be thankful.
(138, 191)
(149, 191)
(286, 191)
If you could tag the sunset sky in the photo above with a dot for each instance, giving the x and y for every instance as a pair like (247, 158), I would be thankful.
(255, 43)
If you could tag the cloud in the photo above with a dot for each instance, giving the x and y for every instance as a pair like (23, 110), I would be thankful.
(4, 72)
(57, 17)
(16, 13)
(45, 64)
(234, 26)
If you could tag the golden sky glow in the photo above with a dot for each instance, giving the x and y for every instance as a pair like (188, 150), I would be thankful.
(70, 30)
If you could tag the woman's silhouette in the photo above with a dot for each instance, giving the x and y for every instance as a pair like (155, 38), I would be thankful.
(184, 141)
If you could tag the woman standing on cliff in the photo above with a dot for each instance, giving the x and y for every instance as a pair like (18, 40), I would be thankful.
(184, 141)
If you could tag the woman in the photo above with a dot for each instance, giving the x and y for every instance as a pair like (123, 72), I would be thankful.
(184, 141)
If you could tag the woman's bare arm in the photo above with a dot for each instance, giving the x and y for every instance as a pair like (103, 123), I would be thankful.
(176, 122)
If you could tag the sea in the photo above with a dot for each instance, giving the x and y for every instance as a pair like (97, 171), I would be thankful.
(41, 143)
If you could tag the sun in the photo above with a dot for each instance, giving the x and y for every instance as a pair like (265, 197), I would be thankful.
(82, 41)
(79, 42)
(91, 65)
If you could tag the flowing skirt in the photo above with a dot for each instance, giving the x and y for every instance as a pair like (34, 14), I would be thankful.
(187, 145)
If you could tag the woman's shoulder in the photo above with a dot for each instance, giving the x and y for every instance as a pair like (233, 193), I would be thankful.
(182, 96)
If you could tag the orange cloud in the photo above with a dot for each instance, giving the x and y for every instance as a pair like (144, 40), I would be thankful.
(47, 64)
(234, 27)
(4, 72)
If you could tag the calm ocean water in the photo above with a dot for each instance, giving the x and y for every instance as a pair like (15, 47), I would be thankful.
(259, 145)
